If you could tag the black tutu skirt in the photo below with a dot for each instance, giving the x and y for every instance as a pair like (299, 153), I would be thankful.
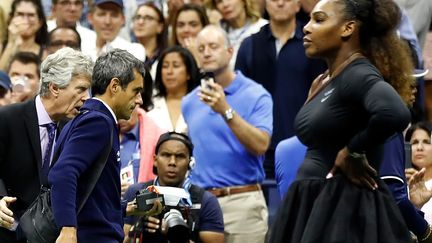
(335, 210)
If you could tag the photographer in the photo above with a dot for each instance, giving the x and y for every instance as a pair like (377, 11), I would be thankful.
(204, 220)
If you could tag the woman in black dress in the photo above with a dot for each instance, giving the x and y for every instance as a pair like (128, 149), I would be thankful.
(350, 112)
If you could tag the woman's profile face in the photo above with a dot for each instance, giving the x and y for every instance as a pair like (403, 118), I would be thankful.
(323, 31)
(421, 148)
(27, 18)
(230, 9)
(174, 73)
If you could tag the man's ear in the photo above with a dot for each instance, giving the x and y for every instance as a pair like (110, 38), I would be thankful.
(114, 85)
(54, 89)
(154, 160)
(349, 28)
(230, 51)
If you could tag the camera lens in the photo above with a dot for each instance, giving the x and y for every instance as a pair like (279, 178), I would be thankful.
(178, 230)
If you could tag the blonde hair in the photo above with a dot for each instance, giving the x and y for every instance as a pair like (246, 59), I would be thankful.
(3, 26)
(252, 8)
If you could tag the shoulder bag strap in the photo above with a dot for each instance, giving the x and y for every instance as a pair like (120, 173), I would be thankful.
(89, 179)
(56, 154)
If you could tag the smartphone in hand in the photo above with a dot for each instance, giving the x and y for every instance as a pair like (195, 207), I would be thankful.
(207, 78)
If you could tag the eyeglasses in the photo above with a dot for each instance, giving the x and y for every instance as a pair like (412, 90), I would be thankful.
(146, 18)
(70, 3)
(71, 44)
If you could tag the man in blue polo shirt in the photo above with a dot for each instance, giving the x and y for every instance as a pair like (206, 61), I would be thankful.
(275, 58)
(230, 123)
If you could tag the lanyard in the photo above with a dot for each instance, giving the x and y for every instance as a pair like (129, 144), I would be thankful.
(135, 152)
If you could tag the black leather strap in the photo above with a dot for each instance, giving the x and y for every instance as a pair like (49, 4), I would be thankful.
(89, 180)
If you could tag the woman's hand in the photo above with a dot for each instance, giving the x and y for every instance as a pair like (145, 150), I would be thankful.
(419, 194)
(409, 173)
(191, 44)
(16, 27)
(357, 170)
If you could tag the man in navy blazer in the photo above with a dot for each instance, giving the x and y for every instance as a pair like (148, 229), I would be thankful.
(117, 83)
(65, 80)
(275, 58)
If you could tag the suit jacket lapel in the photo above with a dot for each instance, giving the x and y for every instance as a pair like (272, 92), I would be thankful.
(32, 127)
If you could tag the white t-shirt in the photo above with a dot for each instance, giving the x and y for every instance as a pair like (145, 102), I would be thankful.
(87, 35)
(160, 115)
(135, 49)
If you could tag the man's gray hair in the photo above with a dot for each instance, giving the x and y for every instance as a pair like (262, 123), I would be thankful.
(62, 66)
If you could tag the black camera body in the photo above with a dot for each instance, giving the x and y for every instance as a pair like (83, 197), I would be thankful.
(176, 217)
(145, 199)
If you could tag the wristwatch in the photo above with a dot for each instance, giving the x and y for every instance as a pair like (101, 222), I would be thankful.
(229, 114)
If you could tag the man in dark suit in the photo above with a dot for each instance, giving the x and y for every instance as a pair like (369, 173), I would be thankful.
(117, 82)
(25, 145)
(275, 57)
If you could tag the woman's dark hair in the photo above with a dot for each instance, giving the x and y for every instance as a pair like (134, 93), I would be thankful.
(380, 43)
(191, 69)
(424, 125)
(161, 38)
(42, 34)
(147, 92)
(201, 12)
